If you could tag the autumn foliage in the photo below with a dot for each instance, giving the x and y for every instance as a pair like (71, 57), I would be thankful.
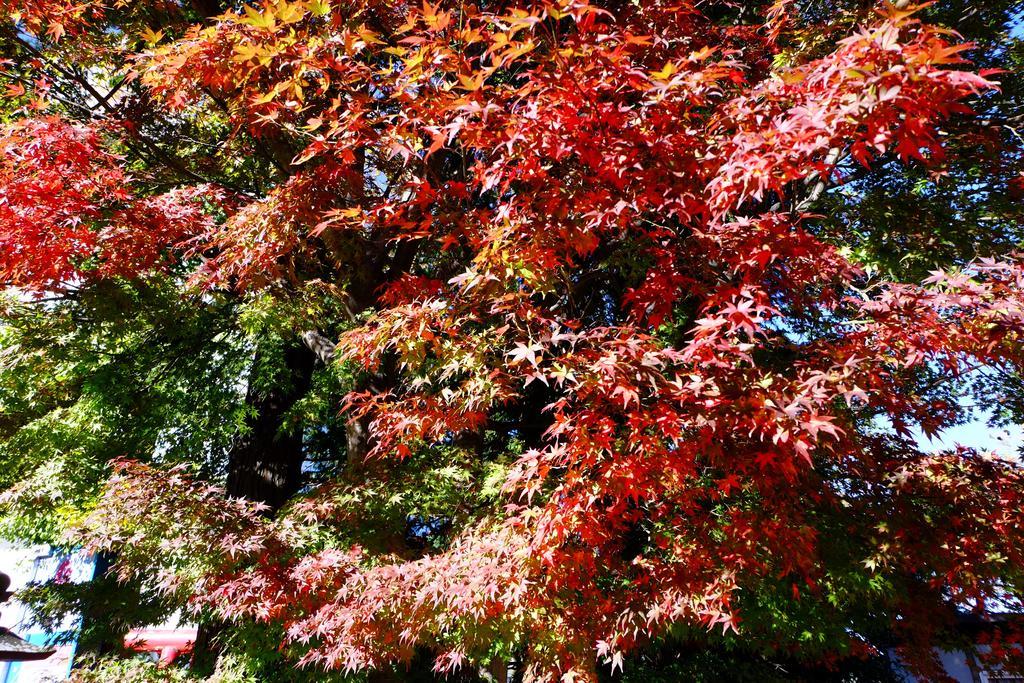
(69, 211)
(584, 232)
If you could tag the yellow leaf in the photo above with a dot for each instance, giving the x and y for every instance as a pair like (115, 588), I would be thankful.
(369, 37)
(702, 54)
(414, 61)
(793, 76)
(245, 52)
(152, 37)
(666, 73)
(471, 84)
(319, 7)
(258, 19)
(289, 13)
(265, 98)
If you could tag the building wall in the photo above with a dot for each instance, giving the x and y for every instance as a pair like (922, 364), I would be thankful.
(35, 565)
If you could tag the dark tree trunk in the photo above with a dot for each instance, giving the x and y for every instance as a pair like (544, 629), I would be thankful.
(265, 462)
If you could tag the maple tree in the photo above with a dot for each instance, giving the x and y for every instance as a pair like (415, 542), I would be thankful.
(542, 332)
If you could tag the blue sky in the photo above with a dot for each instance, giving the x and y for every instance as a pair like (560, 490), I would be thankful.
(978, 435)
(1017, 25)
